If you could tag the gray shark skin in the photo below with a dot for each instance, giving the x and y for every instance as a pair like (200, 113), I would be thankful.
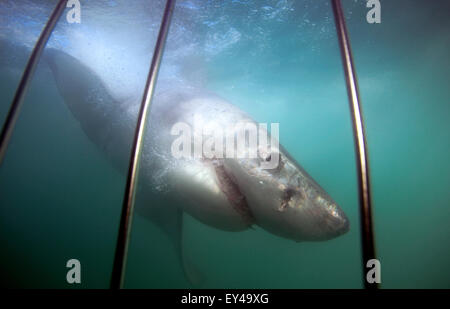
(229, 194)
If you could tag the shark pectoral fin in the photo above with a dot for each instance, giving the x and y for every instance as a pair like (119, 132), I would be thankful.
(191, 272)
(193, 275)
(169, 219)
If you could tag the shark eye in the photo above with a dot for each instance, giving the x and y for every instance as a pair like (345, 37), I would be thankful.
(287, 195)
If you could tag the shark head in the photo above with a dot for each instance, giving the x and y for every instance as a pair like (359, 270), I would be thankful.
(285, 200)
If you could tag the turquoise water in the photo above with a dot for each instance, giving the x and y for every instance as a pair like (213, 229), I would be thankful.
(277, 60)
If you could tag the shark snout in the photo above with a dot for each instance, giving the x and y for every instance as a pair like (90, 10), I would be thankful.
(338, 223)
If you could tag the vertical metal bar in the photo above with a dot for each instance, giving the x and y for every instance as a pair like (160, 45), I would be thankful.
(367, 237)
(120, 258)
(21, 91)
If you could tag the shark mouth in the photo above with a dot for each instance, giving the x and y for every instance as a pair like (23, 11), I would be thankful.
(234, 195)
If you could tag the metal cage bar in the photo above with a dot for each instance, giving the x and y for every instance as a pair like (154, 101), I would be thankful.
(118, 274)
(367, 237)
(14, 110)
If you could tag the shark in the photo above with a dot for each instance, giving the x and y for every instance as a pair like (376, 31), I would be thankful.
(231, 194)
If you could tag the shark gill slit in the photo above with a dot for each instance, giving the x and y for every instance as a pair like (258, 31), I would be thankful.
(234, 195)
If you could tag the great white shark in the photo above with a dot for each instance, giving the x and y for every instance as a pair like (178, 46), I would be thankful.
(230, 194)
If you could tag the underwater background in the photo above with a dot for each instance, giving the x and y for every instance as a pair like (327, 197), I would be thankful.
(277, 60)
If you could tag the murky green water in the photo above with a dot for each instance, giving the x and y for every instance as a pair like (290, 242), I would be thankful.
(277, 60)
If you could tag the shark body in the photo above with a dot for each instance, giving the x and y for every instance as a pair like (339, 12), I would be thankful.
(226, 193)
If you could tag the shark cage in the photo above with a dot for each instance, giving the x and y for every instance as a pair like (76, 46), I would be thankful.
(64, 209)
